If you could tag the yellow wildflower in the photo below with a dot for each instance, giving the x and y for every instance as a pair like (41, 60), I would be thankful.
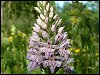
(77, 50)
(10, 39)
(74, 20)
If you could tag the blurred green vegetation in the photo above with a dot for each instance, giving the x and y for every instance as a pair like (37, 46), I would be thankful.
(81, 23)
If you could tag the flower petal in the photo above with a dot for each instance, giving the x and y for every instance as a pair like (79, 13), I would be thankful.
(58, 63)
(52, 69)
(61, 29)
(71, 68)
(55, 16)
(47, 7)
(53, 28)
(45, 63)
(32, 65)
(37, 9)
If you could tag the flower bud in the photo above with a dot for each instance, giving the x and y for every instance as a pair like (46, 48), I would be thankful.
(51, 14)
(44, 3)
(38, 4)
(59, 22)
(39, 21)
(46, 20)
(61, 29)
(47, 7)
(42, 16)
(36, 28)
(37, 9)
(55, 16)
(51, 9)
(56, 22)
(44, 12)
(41, 2)
(53, 28)
(43, 25)
(35, 37)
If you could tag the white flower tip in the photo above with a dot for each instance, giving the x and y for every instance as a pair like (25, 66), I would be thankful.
(43, 25)
(53, 28)
(44, 3)
(47, 7)
(51, 9)
(55, 16)
(46, 20)
(36, 29)
(68, 40)
(41, 2)
(38, 4)
(59, 21)
(51, 14)
(37, 9)
(45, 12)
(61, 29)
(42, 16)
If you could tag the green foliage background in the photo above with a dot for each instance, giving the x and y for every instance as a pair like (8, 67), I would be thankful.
(81, 23)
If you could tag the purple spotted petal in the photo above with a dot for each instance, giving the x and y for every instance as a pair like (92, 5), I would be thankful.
(64, 35)
(39, 60)
(58, 37)
(52, 69)
(48, 53)
(32, 65)
(52, 63)
(58, 63)
(30, 50)
(66, 57)
(29, 56)
(65, 43)
(30, 44)
(45, 63)
(33, 57)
